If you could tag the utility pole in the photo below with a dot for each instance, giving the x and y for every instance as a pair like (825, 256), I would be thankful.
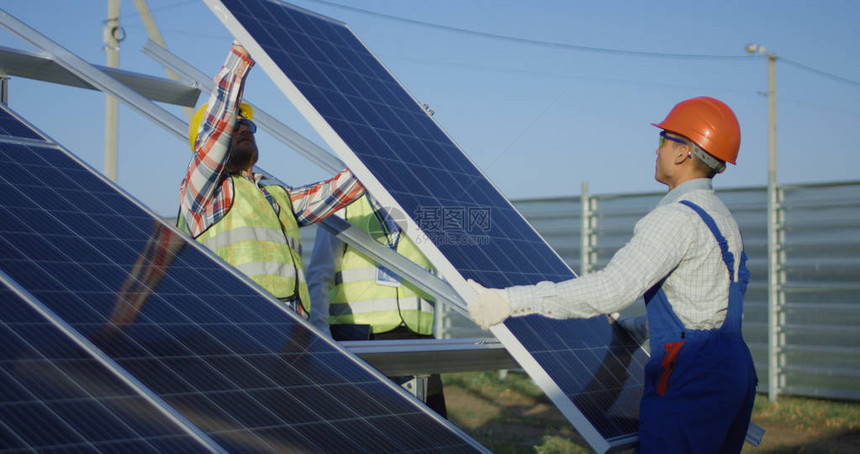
(775, 258)
(112, 35)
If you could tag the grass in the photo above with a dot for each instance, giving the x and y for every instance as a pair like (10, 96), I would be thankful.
(509, 414)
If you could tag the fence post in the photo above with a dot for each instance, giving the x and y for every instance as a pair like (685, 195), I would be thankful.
(775, 293)
(587, 235)
(442, 320)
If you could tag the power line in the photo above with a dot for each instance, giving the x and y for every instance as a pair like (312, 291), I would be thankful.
(576, 47)
(819, 72)
(160, 8)
(534, 42)
(558, 75)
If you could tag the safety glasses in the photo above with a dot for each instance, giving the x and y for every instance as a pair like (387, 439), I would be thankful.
(252, 127)
(664, 138)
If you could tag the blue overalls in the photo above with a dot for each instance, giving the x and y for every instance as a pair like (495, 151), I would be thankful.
(699, 384)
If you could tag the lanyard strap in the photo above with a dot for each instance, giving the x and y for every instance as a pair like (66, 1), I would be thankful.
(386, 230)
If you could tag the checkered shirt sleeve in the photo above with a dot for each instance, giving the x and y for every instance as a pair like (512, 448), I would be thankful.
(315, 202)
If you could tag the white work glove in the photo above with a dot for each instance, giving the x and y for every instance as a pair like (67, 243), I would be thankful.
(490, 307)
(636, 327)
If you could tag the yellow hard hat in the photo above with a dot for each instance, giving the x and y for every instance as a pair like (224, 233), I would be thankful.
(245, 111)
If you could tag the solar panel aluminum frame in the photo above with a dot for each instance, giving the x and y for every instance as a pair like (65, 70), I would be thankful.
(442, 264)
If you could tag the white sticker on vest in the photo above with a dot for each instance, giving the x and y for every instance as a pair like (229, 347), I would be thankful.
(386, 277)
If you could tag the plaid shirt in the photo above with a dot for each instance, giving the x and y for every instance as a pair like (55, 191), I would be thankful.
(206, 192)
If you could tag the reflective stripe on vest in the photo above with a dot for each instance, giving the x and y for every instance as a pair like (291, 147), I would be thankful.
(255, 234)
(382, 305)
(263, 245)
(356, 298)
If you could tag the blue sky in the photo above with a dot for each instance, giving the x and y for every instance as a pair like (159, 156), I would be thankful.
(542, 95)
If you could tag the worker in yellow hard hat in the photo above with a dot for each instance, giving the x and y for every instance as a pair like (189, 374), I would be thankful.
(227, 207)
(687, 258)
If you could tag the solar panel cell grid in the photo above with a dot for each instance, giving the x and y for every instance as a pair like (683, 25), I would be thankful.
(212, 348)
(54, 396)
(10, 126)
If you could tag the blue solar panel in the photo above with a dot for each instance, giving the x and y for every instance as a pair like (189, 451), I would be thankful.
(55, 396)
(202, 338)
(408, 161)
(11, 126)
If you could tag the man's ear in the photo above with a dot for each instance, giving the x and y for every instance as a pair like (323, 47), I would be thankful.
(683, 155)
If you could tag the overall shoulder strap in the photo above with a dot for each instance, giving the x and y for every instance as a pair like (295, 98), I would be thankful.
(728, 257)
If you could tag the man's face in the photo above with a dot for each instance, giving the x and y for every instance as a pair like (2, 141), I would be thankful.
(669, 149)
(243, 147)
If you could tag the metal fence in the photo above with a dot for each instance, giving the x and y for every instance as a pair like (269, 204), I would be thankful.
(817, 327)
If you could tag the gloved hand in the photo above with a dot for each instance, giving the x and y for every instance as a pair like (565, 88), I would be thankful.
(636, 327)
(490, 307)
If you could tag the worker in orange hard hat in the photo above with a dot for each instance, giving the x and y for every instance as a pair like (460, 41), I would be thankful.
(687, 259)
(227, 207)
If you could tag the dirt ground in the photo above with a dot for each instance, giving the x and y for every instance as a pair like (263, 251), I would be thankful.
(518, 419)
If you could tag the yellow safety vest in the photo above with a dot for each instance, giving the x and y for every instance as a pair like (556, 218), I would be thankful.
(264, 246)
(357, 298)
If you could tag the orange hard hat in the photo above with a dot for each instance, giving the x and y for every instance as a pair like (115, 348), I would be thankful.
(245, 111)
(709, 123)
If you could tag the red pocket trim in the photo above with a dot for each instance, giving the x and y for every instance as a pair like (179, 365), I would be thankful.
(668, 363)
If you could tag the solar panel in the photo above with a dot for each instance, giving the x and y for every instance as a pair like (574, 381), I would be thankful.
(10, 126)
(197, 335)
(55, 396)
(590, 369)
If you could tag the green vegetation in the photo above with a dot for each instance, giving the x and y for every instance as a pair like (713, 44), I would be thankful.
(510, 414)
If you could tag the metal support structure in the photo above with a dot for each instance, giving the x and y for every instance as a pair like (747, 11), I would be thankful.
(432, 356)
(94, 77)
(442, 323)
(40, 66)
(112, 35)
(587, 237)
(4, 89)
(155, 36)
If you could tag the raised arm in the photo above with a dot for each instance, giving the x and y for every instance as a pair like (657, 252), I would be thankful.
(205, 193)
(315, 202)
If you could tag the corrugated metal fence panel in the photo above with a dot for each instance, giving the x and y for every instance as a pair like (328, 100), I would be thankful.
(559, 221)
(822, 290)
